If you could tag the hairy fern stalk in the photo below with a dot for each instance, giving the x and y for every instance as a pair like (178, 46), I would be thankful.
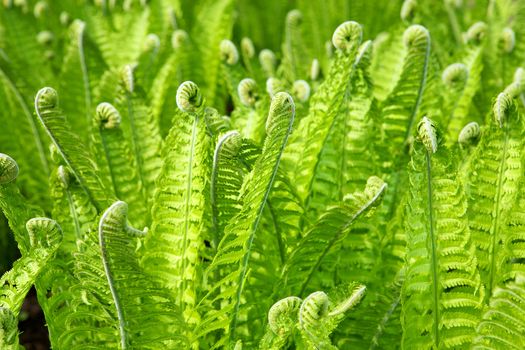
(228, 174)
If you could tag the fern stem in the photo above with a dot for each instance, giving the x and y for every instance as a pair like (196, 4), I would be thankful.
(337, 235)
(278, 234)
(74, 215)
(433, 240)
(495, 233)
(187, 206)
(382, 324)
(109, 276)
(246, 258)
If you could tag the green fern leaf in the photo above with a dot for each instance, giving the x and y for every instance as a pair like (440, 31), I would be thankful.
(502, 324)
(13, 204)
(69, 146)
(173, 247)
(308, 141)
(233, 256)
(128, 284)
(327, 234)
(442, 294)
(495, 176)
(117, 162)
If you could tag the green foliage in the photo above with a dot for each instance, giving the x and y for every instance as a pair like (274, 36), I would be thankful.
(274, 175)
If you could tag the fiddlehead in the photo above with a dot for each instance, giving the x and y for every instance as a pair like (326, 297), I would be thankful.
(347, 36)
(508, 40)
(281, 108)
(229, 52)
(247, 91)
(320, 314)
(428, 134)
(501, 107)
(46, 99)
(40, 9)
(454, 74)
(127, 79)
(416, 35)
(45, 38)
(64, 18)
(476, 33)
(179, 38)
(313, 308)
(8, 169)
(273, 86)
(469, 134)
(152, 43)
(189, 98)
(107, 116)
(408, 10)
(247, 48)
(301, 90)
(282, 316)
(268, 61)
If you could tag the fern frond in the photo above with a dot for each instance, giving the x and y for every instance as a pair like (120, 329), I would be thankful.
(442, 294)
(494, 183)
(69, 146)
(402, 106)
(226, 181)
(128, 284)
(117, 163)
(121, 46)
(502, 324)
(322, 239)
(345, 144)
(13, 204)
(463, 110)
(71, 209)
(31, 154)
(214, 23)
(307, 143)
(45, 236)
(139, 126)
(295, 56)
(233, 257)
(172, 249)
(75, 86)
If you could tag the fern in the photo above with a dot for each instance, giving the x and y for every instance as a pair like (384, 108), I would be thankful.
(69, 146)
(233, 255)
(45, 236)
(501, 326)
(442, 294)
(128, 284)
(329, 231)
(494, 185)
(179, 202)
(314, 128)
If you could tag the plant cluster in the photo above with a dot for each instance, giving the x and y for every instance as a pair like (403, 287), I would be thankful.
(169, 186)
